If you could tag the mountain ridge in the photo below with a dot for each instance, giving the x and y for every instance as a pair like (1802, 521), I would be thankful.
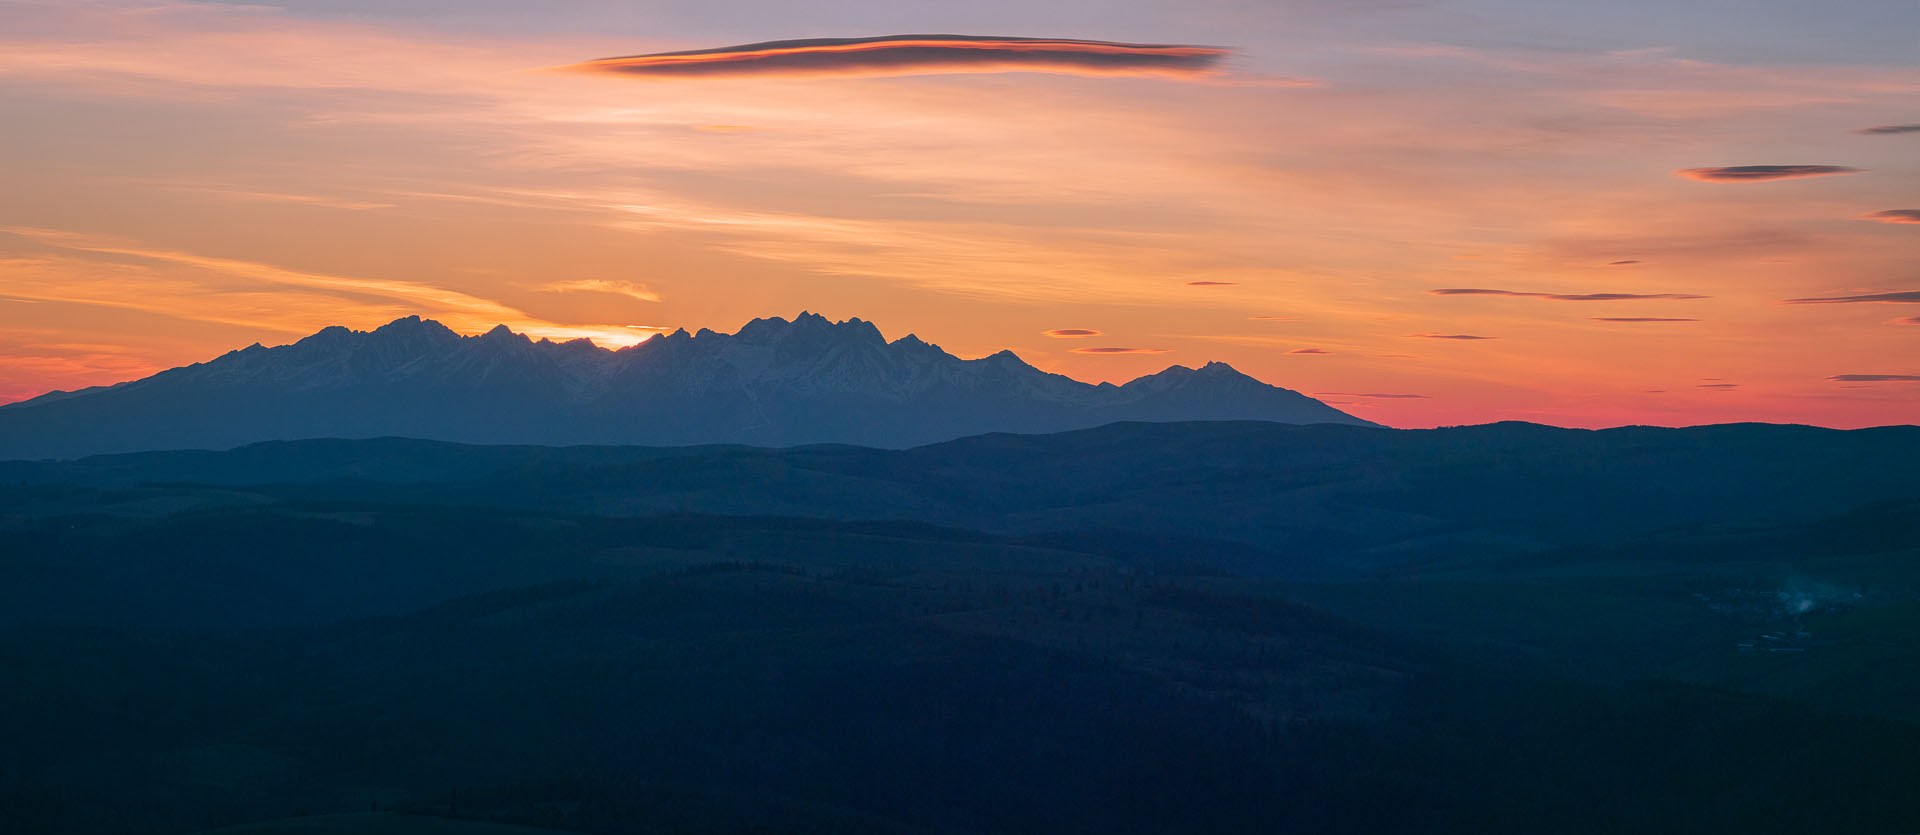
(775, 382)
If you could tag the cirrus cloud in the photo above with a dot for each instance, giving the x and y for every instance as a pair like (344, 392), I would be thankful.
(1309, 351)
(1121, 350)
(1212, 283)
(1564, 297)
(1460, 336)
(1875, 378)
(1888, 129)
(1759, 173)
(1070, 333)
(892, 55)
(601, 285)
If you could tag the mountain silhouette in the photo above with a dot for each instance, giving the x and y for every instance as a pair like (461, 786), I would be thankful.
(774, 383)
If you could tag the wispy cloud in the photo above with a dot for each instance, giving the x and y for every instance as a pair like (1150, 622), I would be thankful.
(280, 197)
(1273, 318)
(1564, 297)
(1758, 173)
(1718, 386)
(1875, 378)
(1121, 350)
(1638, 319)
(1622, 263)
(893, 55)
(1070, 333)
(458, 310)
(1309, 351)
(1910, 320)
(1894, 216)
(1897, 297)
(1212, 283)
(1890, 129)
(599, 285)
(1460, 336)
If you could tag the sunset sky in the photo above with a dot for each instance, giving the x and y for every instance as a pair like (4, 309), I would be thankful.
(1425, 212)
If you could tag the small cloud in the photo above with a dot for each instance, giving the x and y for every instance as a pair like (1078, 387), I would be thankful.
(1875, 378)
(1274, 318)
(1564, 297)
(1622, 263)
(1376, 396)
(1898, 297)
(1212, 283)
(1120, 350)
(598, 285)
(1890, 129)
(1638, 319)
(1910, 320)
(896, 55)
(1656, 391)
(1449, 336)
(1070, 333)
(1308, 351)
(1718, 386)
(1894, 216)
(1759, 173)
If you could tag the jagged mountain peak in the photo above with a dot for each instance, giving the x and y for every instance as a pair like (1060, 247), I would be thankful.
(413, 324)
(776, 329)
(329, 335)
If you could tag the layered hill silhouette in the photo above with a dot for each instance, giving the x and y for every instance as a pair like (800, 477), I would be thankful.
(1207, 627)
(774, 383)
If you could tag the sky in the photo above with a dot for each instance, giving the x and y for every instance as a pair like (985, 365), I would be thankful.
(1425, 213)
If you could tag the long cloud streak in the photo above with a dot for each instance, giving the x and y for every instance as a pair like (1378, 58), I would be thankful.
(917, 55)
(1563, 297)
(1899, 297)
(1894, 216)
(1759, 173)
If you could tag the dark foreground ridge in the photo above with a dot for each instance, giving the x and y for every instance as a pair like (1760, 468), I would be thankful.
(1140, 628)
(775, 383)
(1221, 627)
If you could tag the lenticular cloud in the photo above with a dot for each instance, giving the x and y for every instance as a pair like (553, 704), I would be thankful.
(917, 55)
(1761, 173)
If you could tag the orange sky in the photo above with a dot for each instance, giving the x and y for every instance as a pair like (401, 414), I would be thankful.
(187, 178)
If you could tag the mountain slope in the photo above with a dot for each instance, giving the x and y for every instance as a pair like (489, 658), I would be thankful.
(775, 383)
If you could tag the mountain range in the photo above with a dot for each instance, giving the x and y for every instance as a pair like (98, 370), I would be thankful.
(774, 383)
